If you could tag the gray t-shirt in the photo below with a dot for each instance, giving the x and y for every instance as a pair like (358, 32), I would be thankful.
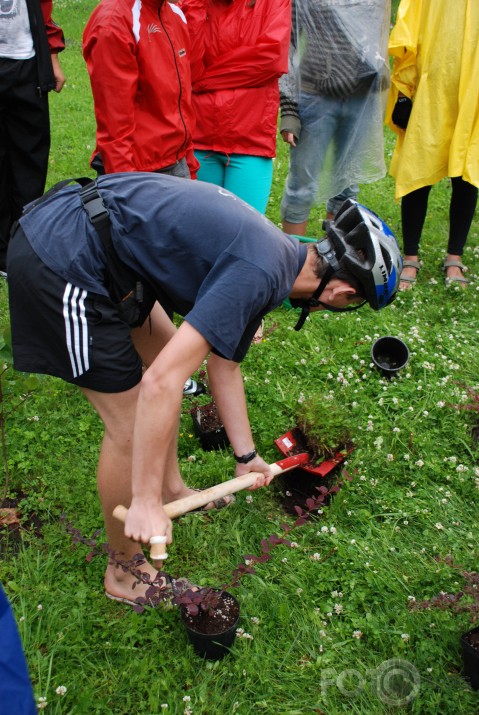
(16, 42)
(208, 255)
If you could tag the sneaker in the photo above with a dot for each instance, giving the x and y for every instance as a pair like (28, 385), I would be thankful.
(193, 388)
(3, 274)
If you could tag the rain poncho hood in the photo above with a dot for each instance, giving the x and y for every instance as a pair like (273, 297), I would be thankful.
(435, 45)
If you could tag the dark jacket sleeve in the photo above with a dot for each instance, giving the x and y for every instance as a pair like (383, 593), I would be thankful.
(47, 39)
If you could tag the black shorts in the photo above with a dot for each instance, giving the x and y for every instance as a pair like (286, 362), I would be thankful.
(61, 330)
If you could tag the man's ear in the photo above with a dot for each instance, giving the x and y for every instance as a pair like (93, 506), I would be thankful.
(341, 289)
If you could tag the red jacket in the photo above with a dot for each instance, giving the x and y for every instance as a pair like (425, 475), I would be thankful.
(54, 33)
(137, 55)
(238, 53)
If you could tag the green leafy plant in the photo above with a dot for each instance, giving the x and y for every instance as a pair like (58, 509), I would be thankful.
(326, 424)
(464, 601)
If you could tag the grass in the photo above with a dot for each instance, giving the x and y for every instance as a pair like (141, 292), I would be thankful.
(322, 630)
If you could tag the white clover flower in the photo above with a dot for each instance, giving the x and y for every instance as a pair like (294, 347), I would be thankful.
(284, 561)
(396, 430)
(255, 620)
(42, 703)
(186, 699)
(21, 619)
(390, 457)
(249, 499)
(405, 637)
(378, 442)
(39, 607)
(61, 690)
(357, 634)
(316, 557)
(338, 608)
(406, 457)
(353, 541)
(333, 530)
(299, 591)
(411, 598)
(419, 463)
(439, 526)
(192, 458)
(324, 529)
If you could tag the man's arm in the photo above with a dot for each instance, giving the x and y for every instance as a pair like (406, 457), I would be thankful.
(227, 388)
(156, 429)
(57, 73)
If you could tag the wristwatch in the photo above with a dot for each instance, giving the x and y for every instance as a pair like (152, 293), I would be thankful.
(245, 458)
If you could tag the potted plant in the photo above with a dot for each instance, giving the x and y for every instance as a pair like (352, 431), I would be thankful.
(210, 617)
(208, 427)
(464, 601)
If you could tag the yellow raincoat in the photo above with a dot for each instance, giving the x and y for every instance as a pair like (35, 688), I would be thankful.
(435, 45)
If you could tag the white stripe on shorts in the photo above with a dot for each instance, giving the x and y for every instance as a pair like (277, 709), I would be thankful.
(76, 328)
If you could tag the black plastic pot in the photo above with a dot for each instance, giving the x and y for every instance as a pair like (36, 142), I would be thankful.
(212, 646)
(470, 656)
(390, 355)
(210, 439)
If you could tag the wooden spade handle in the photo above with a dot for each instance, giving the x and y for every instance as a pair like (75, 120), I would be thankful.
(199, 499)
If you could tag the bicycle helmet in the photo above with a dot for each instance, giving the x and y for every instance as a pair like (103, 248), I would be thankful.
(358, 242)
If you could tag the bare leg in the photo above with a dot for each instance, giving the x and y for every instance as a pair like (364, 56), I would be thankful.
(114, 482)
(295, 229)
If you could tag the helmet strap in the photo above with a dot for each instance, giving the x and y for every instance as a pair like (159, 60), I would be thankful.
(313, 302)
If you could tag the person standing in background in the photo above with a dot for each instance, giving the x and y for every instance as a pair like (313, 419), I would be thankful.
(239, 50)
(29, 68)
(433, 108)
(332, 104)
(137, 55)
(138, 58)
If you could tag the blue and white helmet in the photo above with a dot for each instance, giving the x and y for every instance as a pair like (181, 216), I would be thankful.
(378, 266)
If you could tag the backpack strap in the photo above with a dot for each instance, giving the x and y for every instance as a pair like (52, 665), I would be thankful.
(126, 289)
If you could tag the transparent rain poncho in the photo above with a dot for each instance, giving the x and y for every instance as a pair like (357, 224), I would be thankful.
(339, 50)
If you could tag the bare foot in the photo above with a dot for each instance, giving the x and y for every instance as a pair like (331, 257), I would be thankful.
(121, 585)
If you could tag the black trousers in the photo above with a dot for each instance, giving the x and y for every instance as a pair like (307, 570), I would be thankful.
(24, 142)
(461, 213)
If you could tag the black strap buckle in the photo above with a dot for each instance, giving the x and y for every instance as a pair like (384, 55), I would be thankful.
(93, 204)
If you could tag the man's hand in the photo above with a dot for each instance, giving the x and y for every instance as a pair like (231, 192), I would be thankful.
(57, 73)
(256, 465)
(145, 519)
(289, 138)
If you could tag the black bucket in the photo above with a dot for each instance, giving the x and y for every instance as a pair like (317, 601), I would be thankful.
(389, 355)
